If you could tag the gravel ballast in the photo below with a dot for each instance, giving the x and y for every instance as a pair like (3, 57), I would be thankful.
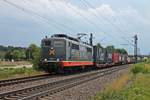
(39, 82)
(80, 92)
(86, 90)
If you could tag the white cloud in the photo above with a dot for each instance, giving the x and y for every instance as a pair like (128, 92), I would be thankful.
(60, 10)
(74, 19)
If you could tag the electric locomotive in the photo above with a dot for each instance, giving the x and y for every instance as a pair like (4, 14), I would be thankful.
(61, 53)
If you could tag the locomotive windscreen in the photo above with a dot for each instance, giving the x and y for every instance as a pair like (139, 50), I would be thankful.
(47, 43)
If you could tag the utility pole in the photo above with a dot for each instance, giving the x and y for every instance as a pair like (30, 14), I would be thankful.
(135, 48)
(91, 39)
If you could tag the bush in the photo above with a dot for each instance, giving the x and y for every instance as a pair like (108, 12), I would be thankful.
(137, 68)
(140, 68)
(36, 59)
(148, 61)
(35, 55)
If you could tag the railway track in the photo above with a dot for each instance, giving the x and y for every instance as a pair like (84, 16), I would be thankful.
(23, 80)
(40, 91)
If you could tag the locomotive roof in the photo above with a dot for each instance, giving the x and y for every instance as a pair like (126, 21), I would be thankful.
(65, 36)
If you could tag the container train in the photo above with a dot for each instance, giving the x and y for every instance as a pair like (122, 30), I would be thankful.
(61, 53)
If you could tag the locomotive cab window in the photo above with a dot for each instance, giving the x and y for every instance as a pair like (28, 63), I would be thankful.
(47, 43)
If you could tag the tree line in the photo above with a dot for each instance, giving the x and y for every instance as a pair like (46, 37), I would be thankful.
(19, 53)
(33, 52)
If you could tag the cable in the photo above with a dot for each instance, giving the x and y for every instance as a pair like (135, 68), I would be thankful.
(68, 27)
(106, 20)
(89, 21)
(34, 13)
(80, 14)
(66, 17)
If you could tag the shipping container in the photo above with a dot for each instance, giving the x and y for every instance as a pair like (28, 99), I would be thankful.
(116, 58)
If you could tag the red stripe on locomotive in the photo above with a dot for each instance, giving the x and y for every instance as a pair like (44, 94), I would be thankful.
(76, 63)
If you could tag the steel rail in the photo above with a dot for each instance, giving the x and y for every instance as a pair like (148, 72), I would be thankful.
(35, 92)
(23, 80)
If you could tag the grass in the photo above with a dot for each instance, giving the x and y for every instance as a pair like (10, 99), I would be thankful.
(16, 64)
(148, 61)
(118, 84)
(7, 65)
(120, 89)
(11, 64)
(7, 73)
(141, 68)
(17, 69)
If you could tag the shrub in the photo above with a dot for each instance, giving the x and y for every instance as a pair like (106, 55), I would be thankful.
(141, 68)
(137, 68)
(36, 59)
(148, 61)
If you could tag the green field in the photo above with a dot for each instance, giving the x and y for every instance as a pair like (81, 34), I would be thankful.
(16, 64)
(7, 73)
(134, 85)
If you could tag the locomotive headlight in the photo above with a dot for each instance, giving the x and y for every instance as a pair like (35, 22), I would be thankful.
(45, 59)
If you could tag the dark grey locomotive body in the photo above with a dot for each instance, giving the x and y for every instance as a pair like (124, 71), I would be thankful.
(60, 49)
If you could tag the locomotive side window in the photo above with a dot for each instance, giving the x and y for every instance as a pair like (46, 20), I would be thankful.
(69, 44)
(58, 43)
(74, 46)
(89, 50)
(47, 43)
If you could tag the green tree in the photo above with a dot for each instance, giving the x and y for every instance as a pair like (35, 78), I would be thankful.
(11, 52)
(122, 51)
(31, 50)
(23, 55)
(110, 48)
(34, 53)
(99, 45)
(8, 55)
(16, 55)
(36, 58)
(2, 54)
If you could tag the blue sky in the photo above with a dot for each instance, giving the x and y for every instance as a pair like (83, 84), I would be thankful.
(37, 18)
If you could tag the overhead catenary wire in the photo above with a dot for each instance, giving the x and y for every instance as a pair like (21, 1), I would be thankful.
(53, 23)
(65, 17)
(80, 14)
(103, 23)
(90, 22)
(103, 17)
(115, 26)
(58, 23)
(42, 18)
